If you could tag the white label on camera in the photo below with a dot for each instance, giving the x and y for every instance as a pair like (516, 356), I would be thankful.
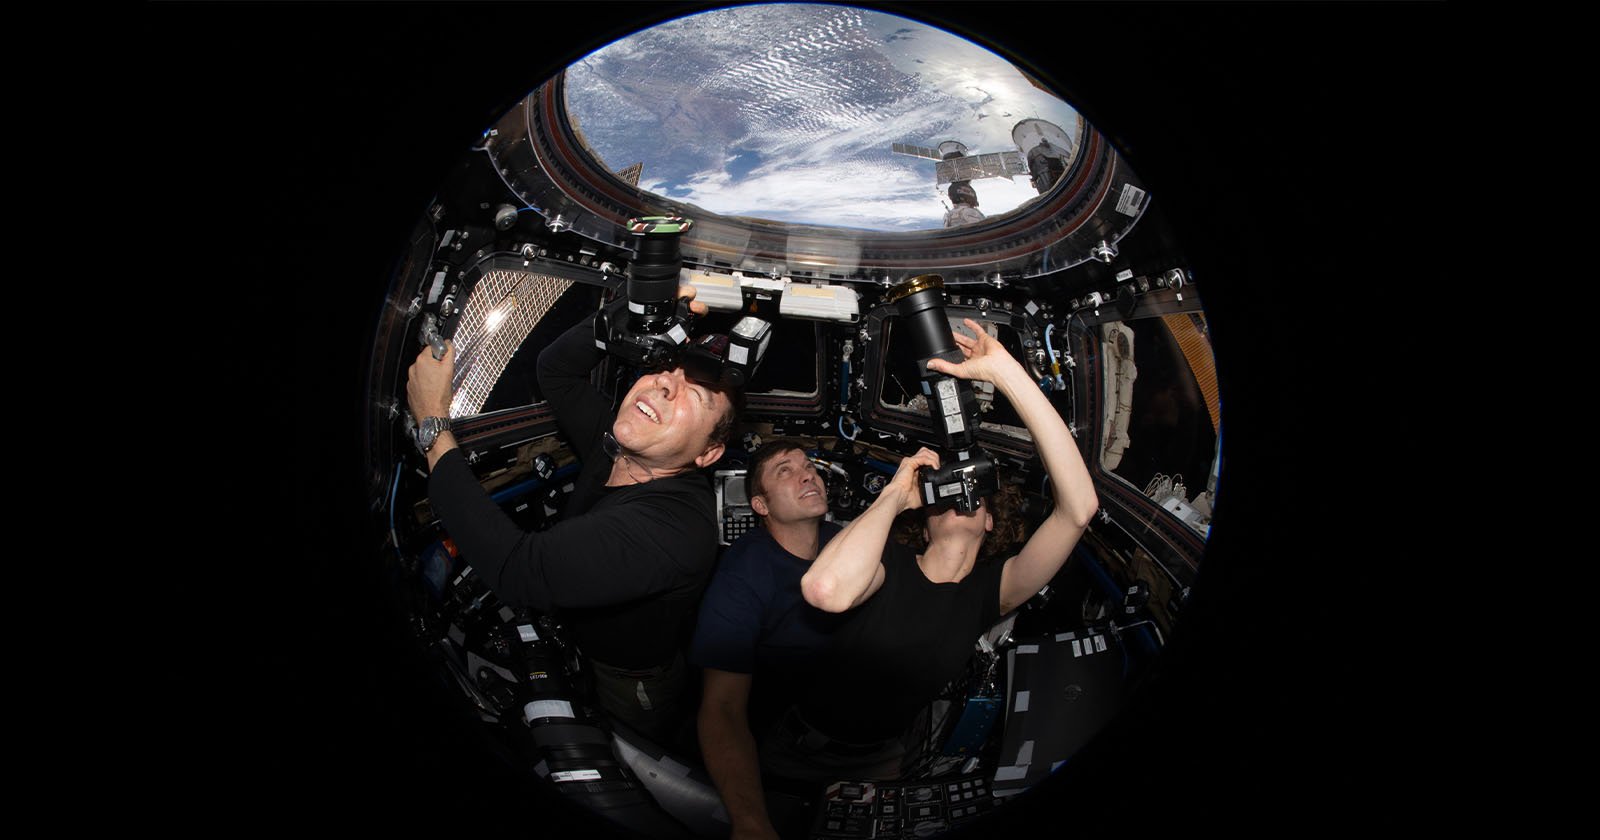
(1099, 644)
(1131, 201)
(947, 390)
(678, 334)
(738, 354)
(1010, 774)
(950, 490)
(1077, 648)
(575, 776)
(954, 423)
(1025, 754)
(636, 307)
(1021, 704)
(546, 708)
(1061, 637)
(527, 633)
(1027, 648)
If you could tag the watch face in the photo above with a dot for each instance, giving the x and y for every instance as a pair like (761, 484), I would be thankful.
(427, 430)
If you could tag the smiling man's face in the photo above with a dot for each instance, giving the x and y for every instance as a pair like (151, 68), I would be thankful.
(666, 420)
(792, 490)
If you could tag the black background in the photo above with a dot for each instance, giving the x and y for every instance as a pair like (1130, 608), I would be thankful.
(296, 145)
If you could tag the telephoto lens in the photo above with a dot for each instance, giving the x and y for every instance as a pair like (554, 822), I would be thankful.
(653, 276)
(951, 403)
(966, 473)
(920, 301)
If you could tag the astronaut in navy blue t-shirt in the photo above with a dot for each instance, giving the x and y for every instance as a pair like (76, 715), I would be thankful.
(757, 638)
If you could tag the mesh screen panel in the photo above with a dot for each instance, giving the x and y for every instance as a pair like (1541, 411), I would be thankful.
(503, 308)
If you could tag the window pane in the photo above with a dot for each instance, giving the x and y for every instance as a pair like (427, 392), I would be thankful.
(826, 115)
(1162, 414)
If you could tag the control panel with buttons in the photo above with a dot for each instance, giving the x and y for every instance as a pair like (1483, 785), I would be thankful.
(852, 810)
(733, 500)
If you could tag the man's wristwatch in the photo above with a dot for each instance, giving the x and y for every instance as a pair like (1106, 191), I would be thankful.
(428, 431)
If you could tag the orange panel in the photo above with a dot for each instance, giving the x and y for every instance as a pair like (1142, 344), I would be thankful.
(1197, 351)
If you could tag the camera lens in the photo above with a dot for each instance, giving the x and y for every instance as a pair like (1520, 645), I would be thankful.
(653, 276)
(951, 404)
(920, 301)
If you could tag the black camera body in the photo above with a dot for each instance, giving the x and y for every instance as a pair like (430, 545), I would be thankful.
(650, 326)
(616, 333)
(967, 473)
(962, 483)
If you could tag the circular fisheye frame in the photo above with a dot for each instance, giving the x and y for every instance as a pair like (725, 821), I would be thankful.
(839, 186)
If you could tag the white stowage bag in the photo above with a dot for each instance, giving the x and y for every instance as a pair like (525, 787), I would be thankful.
(1117, 350)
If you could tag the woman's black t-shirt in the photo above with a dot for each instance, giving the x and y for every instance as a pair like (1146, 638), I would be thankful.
(896, 651)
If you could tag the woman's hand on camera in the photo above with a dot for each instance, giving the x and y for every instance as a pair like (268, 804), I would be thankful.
(903, 487)
(986, 358)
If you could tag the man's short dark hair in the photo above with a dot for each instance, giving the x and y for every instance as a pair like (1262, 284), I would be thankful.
(758, 461)
(721, 432)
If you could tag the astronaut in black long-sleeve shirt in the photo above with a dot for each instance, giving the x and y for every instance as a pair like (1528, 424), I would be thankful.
(628, 562)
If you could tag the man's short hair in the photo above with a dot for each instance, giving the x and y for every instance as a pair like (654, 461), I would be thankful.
(723, 430)
(758, 461)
